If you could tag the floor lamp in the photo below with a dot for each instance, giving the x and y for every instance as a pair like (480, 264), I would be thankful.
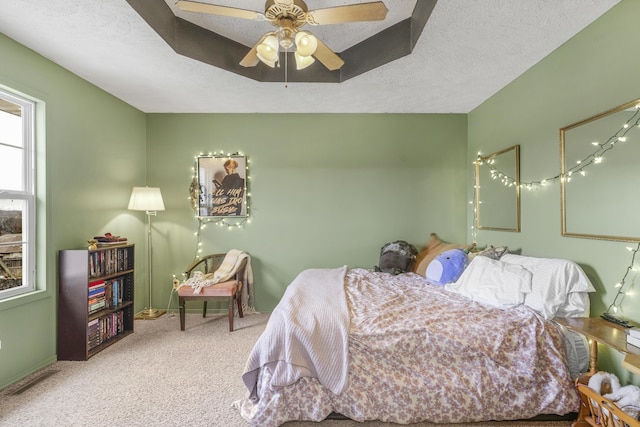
(148, 199)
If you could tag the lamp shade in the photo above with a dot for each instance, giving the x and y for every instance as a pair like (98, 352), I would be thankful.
(303, 61)
(306, 43)
(267, 50)
(146, 199)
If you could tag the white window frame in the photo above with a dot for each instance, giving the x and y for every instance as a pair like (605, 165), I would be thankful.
(28, 194)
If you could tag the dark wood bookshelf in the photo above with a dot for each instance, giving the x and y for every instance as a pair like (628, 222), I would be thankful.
(81, 333)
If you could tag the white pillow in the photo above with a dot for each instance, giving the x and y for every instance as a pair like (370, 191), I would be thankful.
(553, 285)
(492, 282)
(577, 305)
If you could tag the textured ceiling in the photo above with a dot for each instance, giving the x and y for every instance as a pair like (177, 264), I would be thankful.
(468, 50)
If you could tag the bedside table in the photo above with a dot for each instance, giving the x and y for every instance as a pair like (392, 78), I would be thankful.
(608, 333)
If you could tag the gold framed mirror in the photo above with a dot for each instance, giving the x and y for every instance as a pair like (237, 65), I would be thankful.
(599, 177)
(497, 190)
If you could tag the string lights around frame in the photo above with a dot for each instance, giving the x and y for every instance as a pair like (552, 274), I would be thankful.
(595, 158)
(194, 195)
(203, 222)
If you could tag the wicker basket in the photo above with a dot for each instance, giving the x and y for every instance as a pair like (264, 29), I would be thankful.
(602, 412)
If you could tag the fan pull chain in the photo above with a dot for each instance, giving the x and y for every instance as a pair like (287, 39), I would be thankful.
(286, 67)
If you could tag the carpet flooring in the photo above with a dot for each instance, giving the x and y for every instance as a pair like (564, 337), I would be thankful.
(159, 376)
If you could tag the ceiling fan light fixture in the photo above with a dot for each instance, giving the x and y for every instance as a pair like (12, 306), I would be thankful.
(285, 37)
(303, 61)
(267, 51)
(288, 16)
(306, 43)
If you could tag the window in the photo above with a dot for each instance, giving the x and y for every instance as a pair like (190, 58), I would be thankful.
(17, 196)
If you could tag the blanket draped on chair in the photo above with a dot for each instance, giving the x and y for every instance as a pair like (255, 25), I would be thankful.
(226, 271)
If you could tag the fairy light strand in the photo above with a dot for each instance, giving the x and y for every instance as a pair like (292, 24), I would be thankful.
(623, 291)
(595, 158)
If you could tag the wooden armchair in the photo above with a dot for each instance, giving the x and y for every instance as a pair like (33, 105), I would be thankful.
(230, 289)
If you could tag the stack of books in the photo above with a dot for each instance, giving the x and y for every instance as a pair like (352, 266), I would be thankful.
(633, 337)
(104, 294)
(109, 240)
(97, 300)
(104, 328)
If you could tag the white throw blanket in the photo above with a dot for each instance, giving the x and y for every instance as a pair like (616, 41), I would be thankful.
(305, 343)
(228, 268)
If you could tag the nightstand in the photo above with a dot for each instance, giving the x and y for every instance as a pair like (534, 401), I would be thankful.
(599, 330)
(608, 333)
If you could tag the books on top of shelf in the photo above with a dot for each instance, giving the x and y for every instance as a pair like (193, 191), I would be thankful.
(109, 240)
(108, 244)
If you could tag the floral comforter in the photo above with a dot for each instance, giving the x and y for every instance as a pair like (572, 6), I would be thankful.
(420, 353)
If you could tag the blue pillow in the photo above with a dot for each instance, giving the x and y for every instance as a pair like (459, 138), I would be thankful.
(447, 267)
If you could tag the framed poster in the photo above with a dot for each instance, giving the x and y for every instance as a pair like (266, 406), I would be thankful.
(222, 185)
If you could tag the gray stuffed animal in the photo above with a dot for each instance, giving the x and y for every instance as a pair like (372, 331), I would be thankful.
(397, 257)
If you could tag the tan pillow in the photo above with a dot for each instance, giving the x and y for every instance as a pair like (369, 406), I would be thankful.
(432, 249)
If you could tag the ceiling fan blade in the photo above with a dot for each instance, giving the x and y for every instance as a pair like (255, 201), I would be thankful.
(193, 6)
(374, 11)
(329, 58)
(251, 58)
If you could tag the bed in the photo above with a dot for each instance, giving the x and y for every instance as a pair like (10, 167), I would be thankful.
(395, 348)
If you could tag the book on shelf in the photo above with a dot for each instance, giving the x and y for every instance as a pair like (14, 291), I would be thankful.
(103, 329)
(108, 244)
(95, 302)
(116, 291)
(96, 284)
(96, 298)
(93, 333)
(109, 261)
(96, 288)
(96, 306)
(634, 341)
(99, 293)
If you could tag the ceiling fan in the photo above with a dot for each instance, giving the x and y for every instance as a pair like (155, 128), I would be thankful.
(288, 16)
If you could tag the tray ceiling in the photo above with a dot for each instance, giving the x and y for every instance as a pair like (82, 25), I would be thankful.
(467, 51)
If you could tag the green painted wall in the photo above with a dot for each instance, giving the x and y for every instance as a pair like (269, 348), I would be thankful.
(91, 152)
(326, 189)
(596, 70)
